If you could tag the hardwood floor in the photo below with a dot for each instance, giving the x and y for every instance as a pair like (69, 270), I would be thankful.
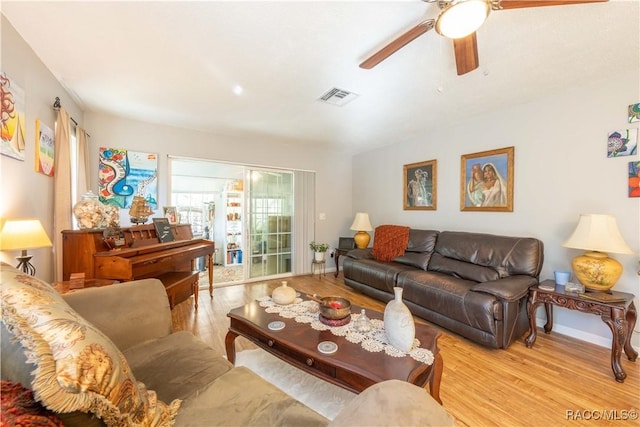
(559, 381)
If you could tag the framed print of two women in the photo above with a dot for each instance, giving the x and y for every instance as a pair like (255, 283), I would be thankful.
(486, 182)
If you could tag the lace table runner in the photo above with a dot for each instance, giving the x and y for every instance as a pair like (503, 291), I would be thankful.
(374, 340)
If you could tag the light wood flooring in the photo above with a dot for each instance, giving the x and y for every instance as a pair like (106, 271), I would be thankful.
(541, 386)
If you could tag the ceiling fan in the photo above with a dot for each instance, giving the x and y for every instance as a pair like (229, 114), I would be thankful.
(459, 20)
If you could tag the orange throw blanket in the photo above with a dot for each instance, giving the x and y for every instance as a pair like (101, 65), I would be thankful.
(390, 242)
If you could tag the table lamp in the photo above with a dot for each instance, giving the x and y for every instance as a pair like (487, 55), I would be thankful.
(597, 234)
(361, 224)
(23, 234)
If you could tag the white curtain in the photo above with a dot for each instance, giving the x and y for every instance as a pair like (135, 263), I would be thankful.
(61, 187)
(83, 162)
(304, 222)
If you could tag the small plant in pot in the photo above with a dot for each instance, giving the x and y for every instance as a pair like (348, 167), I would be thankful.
(319, 250)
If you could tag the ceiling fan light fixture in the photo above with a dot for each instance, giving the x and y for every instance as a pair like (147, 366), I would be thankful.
(462, 17)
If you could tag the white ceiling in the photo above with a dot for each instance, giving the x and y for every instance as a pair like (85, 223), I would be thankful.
(177, 63)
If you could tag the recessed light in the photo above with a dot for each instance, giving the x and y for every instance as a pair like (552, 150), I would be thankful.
(237, 89)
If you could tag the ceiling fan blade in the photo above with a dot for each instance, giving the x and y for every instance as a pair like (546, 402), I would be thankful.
(398, 44)
(466, 52)
(518, 4)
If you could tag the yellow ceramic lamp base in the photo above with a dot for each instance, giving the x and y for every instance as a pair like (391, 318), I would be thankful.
(362, 239)
(596, 271)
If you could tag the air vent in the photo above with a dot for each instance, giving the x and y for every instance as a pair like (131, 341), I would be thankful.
(338, 97)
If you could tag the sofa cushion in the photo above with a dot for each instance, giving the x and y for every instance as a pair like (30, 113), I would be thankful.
(376, 274)
(506, 255)
(451, 297)
(415, 259)
(242, 398)
(422, 240)
(77, 368)
(390, 241)
(419, 248)
(154, 362)
(464, 270)
(393, 403)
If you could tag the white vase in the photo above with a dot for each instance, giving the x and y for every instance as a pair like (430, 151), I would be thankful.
(319, 256)
(283, 295)
(398, 323)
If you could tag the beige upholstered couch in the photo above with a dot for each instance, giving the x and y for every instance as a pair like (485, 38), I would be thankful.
(86, 355)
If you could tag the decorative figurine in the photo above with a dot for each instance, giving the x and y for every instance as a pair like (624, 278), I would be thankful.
(140, 210)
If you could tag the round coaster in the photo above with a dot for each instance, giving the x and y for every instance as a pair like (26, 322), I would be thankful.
(276, 325)
(327, 347)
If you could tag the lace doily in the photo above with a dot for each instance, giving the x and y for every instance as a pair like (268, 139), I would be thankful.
(374, 340)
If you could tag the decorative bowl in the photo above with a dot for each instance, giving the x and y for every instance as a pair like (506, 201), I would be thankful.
(335, 308)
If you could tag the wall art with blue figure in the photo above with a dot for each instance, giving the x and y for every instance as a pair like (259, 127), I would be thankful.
(124, 174)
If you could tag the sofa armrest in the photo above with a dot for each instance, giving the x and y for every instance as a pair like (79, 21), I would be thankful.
(128, 313)
(510, 288)
(366, 253)
(393, 403)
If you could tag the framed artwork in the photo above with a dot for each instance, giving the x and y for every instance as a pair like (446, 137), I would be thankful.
(125, 174)
(44, 149)
(622, 143)
(163, 230)
(171, 212)
(634, 179)
(486, 181)
(420, 186)
(634, 113)
(12, 121)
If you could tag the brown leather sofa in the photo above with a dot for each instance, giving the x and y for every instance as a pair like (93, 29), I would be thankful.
(470, 283)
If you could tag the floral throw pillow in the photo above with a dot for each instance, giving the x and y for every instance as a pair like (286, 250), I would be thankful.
(78, 368)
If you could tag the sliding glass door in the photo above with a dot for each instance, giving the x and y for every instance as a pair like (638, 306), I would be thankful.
(258, 217)
(270, 211)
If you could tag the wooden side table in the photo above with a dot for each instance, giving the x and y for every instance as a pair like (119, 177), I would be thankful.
(619, 316)
(73, 285)
(337, 253)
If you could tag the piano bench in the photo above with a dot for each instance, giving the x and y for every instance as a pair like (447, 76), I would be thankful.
(180, 285)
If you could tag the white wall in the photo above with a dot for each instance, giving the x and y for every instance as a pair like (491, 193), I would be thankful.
(25, 193)
(333, 170)
(561, 170)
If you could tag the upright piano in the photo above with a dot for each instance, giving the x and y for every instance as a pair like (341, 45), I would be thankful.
(141, 256)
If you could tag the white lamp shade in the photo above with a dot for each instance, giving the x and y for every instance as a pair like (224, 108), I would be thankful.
(597, 232)
(23, 234)
(361, 222)
(462, 18)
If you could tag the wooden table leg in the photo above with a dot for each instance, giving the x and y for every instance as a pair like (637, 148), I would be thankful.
(631, 323)
(548, 308)
(434, 382)
(230, 346)
(196, 290)
(210, 267)
(336, 257)
(616, 319)
(533, 333)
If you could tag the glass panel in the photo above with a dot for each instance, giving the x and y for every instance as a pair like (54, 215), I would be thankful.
(271, 212)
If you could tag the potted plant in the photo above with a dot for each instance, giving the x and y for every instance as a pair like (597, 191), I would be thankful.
(319, 250)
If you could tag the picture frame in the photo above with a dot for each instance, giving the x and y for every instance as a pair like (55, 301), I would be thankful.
(486, 181)
(163, 230)
(171, 213)
(420, 190)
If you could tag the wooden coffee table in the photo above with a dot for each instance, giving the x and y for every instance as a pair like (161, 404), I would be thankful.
(351, 367)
